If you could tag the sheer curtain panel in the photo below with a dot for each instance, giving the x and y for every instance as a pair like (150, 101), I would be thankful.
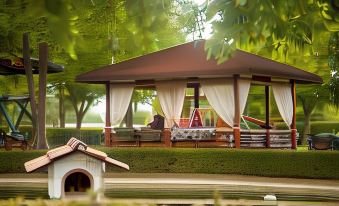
(283, 98)
(120, 97)
(220, 95)
(171, 96)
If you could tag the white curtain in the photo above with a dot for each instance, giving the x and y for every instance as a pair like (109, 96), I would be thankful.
(283, 98)
(120, 97)
(220, 95)
(171, 96)
(244, 88)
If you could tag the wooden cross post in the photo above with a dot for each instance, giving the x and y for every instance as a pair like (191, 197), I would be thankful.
(129, 115)
(30, 83)
(196, 96)
(43, 63)
(236, 126)
(293, 125)
(267, 114)
(108, 117)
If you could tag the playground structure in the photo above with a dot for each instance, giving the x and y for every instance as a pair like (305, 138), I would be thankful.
(27, 66)
(9, 67)
(14, 138)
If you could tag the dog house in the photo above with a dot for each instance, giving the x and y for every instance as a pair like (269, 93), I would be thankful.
(73, 169)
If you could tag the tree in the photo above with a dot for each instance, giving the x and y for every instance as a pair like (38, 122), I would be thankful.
(82, 99)
(280, 30)
(267, 25)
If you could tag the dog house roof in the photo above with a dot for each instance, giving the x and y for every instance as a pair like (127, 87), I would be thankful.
(72, 145)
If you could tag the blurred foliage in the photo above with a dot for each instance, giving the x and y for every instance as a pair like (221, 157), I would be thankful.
(333, 63)
(84, 35)
(293, 31)
(279, 27)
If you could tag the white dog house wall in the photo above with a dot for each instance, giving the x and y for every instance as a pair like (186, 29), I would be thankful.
(73, 168)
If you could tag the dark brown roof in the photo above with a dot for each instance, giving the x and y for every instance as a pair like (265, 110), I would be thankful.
(189, 61)
(72, 145)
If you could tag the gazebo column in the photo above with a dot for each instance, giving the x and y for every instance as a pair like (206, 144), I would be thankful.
(236, 125)
(293, 125)
(129, 115)
(196, 96)
(267, 114)
(108, 117)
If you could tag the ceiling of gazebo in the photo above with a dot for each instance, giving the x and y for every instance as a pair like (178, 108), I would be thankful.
(188, 61)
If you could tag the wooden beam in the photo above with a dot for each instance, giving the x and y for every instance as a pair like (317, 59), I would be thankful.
(146, 82)
(30, 83)
(261, 78)
(43, 61)
(108, 117)
(62, 105)
(267, 115)
(293, 125)
(236, 126)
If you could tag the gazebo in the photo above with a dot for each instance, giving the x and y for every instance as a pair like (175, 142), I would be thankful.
(226, 86)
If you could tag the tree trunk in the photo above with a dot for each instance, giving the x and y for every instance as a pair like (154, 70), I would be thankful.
(129, 116)
(307, 128)
(43, 55)
(62, 106)
(80, 116)
(79, 121)
(308, 103)
(30, 82)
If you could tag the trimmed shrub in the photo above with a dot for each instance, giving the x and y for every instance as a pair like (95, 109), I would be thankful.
(316, 127)
(324, 127)
(60, 136)
(271, 163)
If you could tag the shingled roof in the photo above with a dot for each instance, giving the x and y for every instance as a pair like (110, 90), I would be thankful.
(72, 145)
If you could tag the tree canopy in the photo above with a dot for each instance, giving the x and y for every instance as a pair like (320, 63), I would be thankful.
(86, 34)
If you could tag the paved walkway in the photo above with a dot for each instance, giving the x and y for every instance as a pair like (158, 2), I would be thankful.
(226, 184)
(217, 179)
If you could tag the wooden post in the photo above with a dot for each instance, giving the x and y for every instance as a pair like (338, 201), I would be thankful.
(108, 118)
(267, 115)
(196, 95)
(166, 133)
(30, 83)
(43, 61)
(236, 126)
(293, 125)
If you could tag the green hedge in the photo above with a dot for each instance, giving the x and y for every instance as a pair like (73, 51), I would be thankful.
(60, 136)
(316, 127)
(324, 127)
(272, 163)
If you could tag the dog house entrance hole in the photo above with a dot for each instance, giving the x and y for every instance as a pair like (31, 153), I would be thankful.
(77, 182)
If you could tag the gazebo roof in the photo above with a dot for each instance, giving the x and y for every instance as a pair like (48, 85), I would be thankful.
(188, 61)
